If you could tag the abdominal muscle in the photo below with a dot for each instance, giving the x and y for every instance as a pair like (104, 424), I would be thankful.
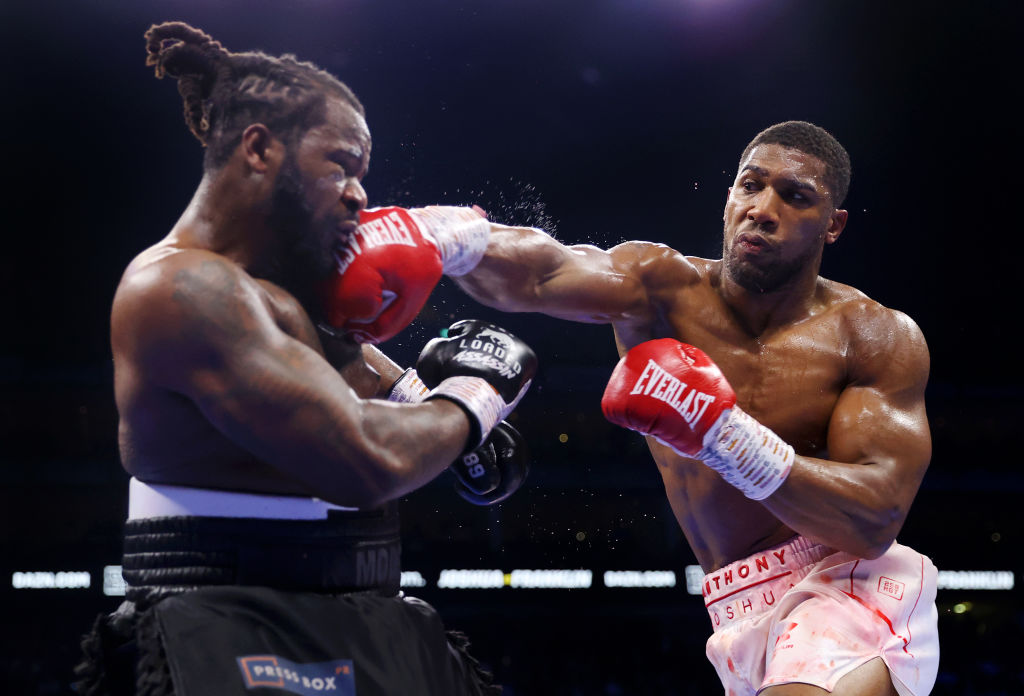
(720, 523)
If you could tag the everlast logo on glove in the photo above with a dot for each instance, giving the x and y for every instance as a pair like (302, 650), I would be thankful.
(657, 383)
(384, 273)
(388, 229)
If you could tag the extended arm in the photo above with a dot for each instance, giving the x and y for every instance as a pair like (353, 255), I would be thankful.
(526, 270)
(879, 448)
(273, 395)
(374, 295)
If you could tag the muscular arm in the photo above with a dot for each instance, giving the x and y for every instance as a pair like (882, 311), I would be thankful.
(198, 328)
(525, 270)
(879, 448)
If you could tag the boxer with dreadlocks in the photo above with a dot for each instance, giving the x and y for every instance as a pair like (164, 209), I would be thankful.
(266, 454)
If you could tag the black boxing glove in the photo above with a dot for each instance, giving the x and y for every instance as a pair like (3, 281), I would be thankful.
(481, 367)
(494, 470)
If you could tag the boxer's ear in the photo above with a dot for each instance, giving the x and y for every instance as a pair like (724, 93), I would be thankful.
(260, 149)
(836, 225)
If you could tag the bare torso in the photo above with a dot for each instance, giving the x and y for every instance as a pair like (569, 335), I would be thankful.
(163, 436)
(789, 378)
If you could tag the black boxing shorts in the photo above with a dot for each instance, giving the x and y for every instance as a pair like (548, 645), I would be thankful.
(250, 641)
(233, 593)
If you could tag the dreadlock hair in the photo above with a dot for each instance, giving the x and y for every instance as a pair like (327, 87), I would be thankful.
(815, 141)
(225, 92)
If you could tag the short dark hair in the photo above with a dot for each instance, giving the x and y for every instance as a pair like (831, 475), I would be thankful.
(226, 92)
(815, 141)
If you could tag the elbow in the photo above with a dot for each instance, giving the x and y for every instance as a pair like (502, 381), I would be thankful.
(877, 550)
(880, 533)
(367, 483)
(879, 519)
(866, 546)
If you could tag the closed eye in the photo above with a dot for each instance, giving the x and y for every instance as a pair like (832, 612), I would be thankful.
(340, 162)
(351, 163)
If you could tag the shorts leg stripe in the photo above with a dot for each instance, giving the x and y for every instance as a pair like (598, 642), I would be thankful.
(920, 591)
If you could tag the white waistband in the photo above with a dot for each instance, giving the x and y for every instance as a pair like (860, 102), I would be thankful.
(158, 500)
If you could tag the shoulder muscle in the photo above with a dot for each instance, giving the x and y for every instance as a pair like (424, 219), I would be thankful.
(887, 349)
(161, 308)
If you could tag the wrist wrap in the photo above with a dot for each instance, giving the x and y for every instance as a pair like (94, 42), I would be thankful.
(461, 235)
(408, 389)
(480, 401)
(747, 454)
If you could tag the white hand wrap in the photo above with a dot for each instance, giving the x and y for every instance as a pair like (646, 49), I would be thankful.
(480, 400)
(408, 389)
(747, 454)
(461, 235)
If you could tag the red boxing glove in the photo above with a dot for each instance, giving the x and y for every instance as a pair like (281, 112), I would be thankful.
(385, 273)
(389, 266)
(669, 390)
(676, 394)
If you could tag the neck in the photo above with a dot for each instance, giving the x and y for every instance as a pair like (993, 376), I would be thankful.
(760, 312)
(228, 215)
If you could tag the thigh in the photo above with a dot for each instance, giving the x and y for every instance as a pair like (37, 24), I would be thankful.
(870, 679)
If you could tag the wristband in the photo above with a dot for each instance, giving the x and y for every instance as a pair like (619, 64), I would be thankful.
(747, 454)
(461, 235)
(479, 400)
(408, 389)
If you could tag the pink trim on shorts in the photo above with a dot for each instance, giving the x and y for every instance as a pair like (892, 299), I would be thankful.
(746, 583)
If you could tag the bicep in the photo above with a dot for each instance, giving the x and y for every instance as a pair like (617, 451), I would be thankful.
(868, 426)
(283, 402)
(880, 419)
(205, 333)
(276, 398)
(528, 271)
(595, 286)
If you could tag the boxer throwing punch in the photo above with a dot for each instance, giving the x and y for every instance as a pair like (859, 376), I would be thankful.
(266, 455)
(785, 412)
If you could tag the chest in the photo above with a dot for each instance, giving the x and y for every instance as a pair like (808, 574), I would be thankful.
(783, 380)
(789, 378)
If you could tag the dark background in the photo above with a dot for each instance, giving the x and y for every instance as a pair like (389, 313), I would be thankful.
(601, 120)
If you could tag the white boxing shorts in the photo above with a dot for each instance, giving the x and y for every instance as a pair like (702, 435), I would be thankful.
(802, 612)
